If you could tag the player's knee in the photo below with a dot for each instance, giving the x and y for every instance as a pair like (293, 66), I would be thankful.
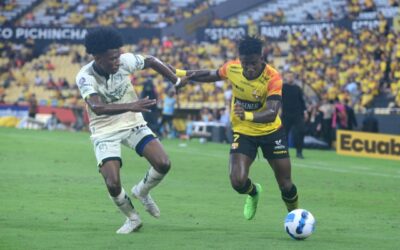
(114, 187)
(162, 165)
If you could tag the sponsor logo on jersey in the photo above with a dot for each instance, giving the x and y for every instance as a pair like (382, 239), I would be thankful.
(248, 105)
(117, 93)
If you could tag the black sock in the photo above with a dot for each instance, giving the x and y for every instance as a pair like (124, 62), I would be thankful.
(252, 189)
(248, 188)
(290, 198)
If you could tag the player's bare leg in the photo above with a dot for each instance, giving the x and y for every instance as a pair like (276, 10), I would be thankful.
(160, 165)
(239, 171)
(282, 170)
(110, 172)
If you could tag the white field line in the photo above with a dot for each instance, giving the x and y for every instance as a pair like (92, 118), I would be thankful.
(312, 165)
(361, 172)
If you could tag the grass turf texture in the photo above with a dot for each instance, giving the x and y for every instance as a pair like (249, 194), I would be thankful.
(52, 197)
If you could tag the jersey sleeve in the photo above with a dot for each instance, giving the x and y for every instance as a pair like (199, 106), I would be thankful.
(132, 62)
(223, 71)
(275, 84)
(86, 85)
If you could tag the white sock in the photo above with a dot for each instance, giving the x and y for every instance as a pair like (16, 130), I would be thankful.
(150, 180)
(125, 205)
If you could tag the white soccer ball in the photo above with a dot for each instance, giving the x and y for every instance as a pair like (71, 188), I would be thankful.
(299, 224)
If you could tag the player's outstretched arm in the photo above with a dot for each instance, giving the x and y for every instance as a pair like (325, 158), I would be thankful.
(100, 108)
(160, 67)
(201, 75)
(204, 75)
(265, 116)
(164, 70)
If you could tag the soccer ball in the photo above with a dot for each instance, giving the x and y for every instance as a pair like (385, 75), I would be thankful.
(299, 224)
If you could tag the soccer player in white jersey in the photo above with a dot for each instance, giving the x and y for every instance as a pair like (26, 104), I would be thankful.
(115, 118)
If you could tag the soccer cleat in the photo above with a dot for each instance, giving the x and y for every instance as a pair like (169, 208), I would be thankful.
(149, 204)
(130, 226)
(250, 207)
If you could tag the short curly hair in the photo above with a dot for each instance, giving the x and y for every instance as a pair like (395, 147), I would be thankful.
(101, 39)
(250, 45)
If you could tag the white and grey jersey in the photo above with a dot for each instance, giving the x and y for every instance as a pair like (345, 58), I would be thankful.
(117, 89)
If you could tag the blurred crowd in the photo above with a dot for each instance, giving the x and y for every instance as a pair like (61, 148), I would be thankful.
(355, 7)
(353, 66)
(337, 65)
(121, 14)
(158, 14)
(340, 64)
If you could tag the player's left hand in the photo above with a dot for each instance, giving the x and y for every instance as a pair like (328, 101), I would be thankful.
(239, 111)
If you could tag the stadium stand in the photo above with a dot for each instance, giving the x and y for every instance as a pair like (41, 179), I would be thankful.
(65, 13)
(372, 9)
(45, 75)
(294, 11)
(51, 76)
(14, 8)
(359, 66)
(118, 13)
(316, 10)
(362, 61)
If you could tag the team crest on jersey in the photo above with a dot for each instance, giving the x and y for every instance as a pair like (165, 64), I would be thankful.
(82, 82)
(256, 94)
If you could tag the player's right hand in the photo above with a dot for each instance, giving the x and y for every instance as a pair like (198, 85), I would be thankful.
(239, 111)
(143, 105)
(184, 81)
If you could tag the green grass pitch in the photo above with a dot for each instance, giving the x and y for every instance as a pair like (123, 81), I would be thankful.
(52, 197)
